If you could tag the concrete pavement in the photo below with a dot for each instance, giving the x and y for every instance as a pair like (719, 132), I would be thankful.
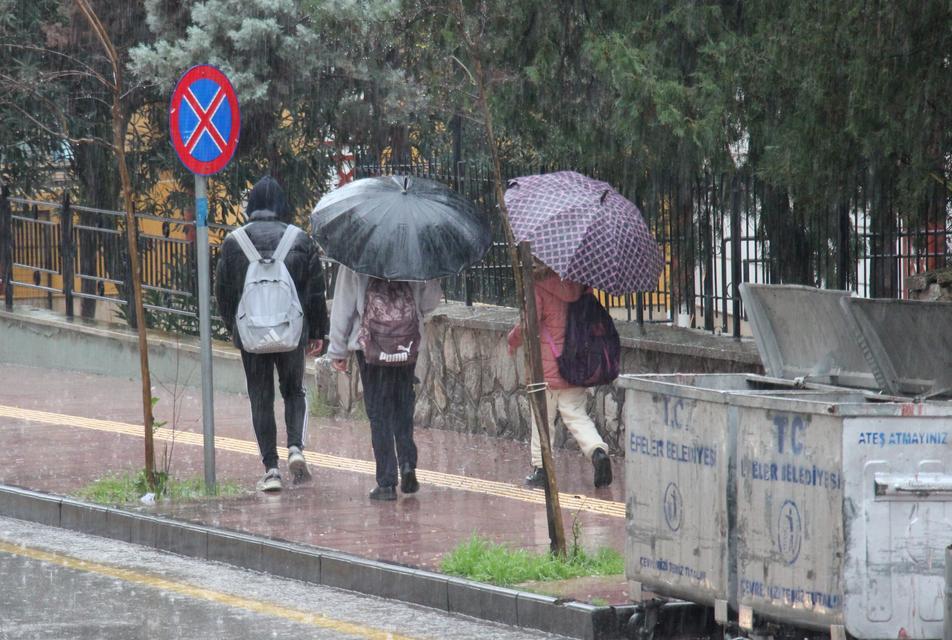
(62, 430)
(81, 587)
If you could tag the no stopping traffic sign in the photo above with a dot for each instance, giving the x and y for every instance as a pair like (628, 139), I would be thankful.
(204, 120)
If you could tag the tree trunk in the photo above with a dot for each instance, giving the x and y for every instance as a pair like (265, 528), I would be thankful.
(684, 250)
(119, 126)
(882, 226)
(788, 250)
(399, 148)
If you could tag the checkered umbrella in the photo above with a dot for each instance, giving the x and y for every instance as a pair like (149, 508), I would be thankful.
(585, 231)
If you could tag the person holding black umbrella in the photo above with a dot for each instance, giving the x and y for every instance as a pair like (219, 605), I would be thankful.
(393, 237)
(382, 323)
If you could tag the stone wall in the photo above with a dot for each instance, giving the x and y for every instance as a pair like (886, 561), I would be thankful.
(931, 285)
(469, 382)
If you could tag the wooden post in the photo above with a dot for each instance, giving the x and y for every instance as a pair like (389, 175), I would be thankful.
(536, 391)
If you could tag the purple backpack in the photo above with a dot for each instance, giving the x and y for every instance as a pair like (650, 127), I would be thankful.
(390, 326)
(591, 353)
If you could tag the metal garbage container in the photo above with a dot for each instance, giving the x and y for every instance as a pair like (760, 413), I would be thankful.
(815, 496)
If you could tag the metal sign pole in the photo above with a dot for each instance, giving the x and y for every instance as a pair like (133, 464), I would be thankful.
(204, 123)
(205, 329)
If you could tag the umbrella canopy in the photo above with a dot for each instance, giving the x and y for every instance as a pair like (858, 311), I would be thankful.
(585, 231)
(400, 228)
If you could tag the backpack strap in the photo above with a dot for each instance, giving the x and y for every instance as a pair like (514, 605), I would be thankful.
(246, 246)
(287, 241)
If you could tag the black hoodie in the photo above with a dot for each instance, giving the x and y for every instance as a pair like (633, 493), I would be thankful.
(268, 216)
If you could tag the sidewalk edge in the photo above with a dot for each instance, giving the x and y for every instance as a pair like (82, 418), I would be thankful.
(320, 566)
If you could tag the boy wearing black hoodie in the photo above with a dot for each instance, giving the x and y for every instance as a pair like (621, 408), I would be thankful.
(268, 215)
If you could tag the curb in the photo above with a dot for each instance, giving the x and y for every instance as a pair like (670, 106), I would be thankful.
(321, 566)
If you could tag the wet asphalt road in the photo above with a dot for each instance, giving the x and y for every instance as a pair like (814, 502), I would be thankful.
(65, 585)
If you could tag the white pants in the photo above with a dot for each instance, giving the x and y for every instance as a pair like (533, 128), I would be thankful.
(570, 403)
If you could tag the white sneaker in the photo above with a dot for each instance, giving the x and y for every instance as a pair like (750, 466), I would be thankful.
(270, 482)
(298, 466)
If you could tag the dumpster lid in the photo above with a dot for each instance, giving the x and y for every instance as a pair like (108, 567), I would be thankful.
(804, 332)
(907, 343)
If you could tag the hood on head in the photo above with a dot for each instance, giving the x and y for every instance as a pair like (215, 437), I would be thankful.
(268, 195)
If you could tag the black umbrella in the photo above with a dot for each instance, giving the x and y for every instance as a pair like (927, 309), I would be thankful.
(400, 228)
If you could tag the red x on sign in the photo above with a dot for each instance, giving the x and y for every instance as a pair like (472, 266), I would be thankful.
(204, 120)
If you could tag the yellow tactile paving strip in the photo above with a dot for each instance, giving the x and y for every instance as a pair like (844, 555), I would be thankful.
(568, 501)
(201, 593)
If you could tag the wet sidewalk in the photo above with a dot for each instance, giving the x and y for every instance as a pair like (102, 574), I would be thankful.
(63, 430)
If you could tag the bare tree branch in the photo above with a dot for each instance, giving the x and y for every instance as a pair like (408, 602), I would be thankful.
(46, 51)
(31, 89)
(55, 111)
(465, 68)
(100, 31)
(58, 134)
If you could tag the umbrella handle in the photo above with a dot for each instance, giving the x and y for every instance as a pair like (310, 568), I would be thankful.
(406, 182)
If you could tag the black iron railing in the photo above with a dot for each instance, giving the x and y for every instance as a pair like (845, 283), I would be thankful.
(62, 250)
(717, 232)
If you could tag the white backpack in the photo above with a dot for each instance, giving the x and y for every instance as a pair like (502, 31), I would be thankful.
(270, 317)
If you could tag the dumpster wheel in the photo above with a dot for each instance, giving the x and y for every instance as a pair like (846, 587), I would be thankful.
(672, 620)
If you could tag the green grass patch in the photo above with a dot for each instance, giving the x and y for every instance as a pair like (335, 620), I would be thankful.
(485, 561)
(359, 412)
(128, 488)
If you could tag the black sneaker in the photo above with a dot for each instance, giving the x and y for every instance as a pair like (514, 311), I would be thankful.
(408, 481)
(537, 478)
(603, 468)
(384, 493)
